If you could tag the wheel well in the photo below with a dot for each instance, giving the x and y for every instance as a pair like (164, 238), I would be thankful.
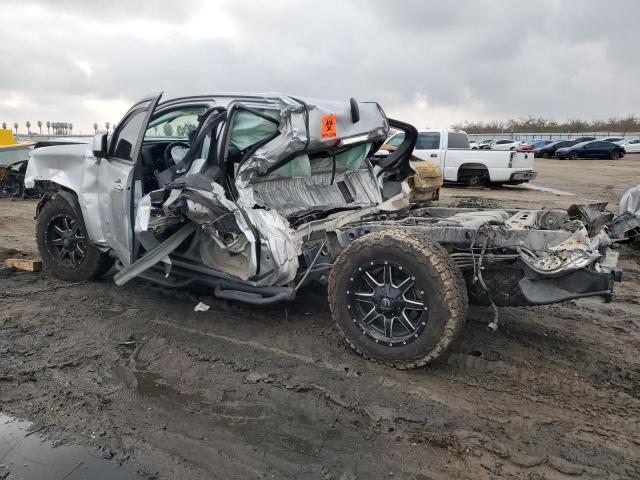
(52, 190)
(468, 169)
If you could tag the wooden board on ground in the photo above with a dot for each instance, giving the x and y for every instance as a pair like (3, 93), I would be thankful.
(22, 264)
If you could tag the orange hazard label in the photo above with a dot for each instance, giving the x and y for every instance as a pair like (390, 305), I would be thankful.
(329, 124)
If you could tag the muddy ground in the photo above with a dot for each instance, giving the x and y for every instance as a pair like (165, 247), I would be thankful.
(241, 392)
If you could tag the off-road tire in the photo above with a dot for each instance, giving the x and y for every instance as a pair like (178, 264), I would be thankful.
(433, 268)
(95, 262)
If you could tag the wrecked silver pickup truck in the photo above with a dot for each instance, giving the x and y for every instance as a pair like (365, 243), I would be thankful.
(258, 195)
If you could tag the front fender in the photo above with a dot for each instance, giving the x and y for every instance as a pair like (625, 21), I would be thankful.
(76, 169)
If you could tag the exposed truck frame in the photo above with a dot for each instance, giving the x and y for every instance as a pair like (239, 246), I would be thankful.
(268, 193)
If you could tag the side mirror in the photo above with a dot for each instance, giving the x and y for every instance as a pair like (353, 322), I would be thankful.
(100, 145)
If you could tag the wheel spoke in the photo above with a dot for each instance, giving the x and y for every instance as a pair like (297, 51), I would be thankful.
(413, 305)
(406, 284)
(65, 222)
(372, 282)
(58, 229)
(406, 323)
(72, 255)
(364, 294)
(57, 242)
(388, 327)
(369, 317)
(364, 297)
(62, 252)
(387, 275)
(80, 251)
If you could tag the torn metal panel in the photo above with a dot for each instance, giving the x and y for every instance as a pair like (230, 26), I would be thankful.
(594, 216)
(154, 256)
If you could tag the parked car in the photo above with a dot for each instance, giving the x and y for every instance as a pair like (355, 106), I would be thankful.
(630, 145)
(584, 139)
(549, 151)
(449, 148)
(613, 139)
(593, 149)
(485, 144)
(505, 144)
(532, 145)
(473, 144)
(275, 192)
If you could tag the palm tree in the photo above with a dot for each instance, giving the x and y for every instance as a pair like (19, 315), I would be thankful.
(4, 125)
(95, 127)
(70, 128)
(106, 125)
(15, 125)
(28, 125)
(40, 126)
(48, 126)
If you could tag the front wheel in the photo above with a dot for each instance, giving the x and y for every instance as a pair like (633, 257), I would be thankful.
(397, 297)
(573, 155)
(64, 246)
(615, 155)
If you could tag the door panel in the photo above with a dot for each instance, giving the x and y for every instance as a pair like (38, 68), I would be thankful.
(115, 177)
(428, 148)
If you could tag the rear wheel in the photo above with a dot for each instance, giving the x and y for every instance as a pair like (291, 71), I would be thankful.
(474, 178)
(615, 155)
(573, 155)
(397, 298)
(64, 245)
(546, 155)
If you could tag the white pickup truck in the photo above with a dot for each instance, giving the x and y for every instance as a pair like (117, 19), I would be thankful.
(450, 149)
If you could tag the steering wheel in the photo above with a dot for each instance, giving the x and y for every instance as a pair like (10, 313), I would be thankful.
(168, 152)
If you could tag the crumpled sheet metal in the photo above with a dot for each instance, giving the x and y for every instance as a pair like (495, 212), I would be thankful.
(73, 167)
(576, 252)
(296, 195)
(293, 135)
(279, 248)
(278, 243)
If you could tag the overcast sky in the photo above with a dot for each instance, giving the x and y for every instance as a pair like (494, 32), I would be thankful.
(432, 63)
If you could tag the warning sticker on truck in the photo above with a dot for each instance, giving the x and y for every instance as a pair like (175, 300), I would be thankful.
(329, 124)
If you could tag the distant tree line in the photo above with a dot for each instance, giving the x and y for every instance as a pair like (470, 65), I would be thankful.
(630, 123)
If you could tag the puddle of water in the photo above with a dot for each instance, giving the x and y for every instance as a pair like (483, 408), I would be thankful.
(531, 186)
(30, 457)
(150, 384)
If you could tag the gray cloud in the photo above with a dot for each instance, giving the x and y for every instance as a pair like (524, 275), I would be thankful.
(433, 63)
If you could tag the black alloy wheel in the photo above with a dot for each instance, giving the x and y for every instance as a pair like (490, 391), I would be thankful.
(66, 241)
(63, 242)
(387, 303)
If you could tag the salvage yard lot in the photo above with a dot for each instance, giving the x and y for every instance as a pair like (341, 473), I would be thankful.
(244, 392)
